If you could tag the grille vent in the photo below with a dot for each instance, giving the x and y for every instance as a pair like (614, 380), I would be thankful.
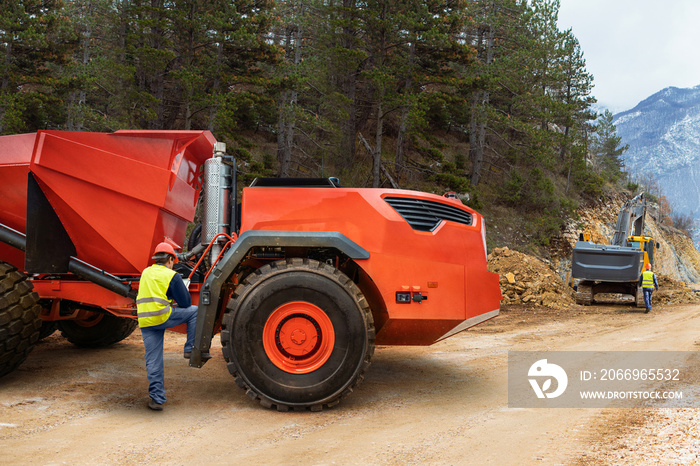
(425, 215)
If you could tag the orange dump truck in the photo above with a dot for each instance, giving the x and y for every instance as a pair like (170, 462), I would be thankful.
(301, 277)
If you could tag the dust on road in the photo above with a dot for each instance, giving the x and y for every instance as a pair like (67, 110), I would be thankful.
(444, 404)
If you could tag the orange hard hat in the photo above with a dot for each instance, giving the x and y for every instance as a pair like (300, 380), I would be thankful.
(166, 248)
(648, 266)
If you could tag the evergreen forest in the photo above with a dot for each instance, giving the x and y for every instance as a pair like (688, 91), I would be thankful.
(486, 98)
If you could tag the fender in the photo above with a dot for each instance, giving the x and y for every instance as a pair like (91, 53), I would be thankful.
(210, 299)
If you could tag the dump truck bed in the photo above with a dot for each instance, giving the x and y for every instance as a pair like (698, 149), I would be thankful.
(117, 195)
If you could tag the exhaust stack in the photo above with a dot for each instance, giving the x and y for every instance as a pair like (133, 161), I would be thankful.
(217, 199)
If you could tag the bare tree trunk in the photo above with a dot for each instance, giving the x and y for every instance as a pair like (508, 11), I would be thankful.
(349, 127)
(286, 167)
(78, 99)
(377, 155)
(189, 63)
(288, 101)
(281, 135)
(480, 102)
(381, 93)
(8, 59)
(403, 126)
(477, 130)
(5, 83)
(216, 85)
(400, 143)
(285, 133)
(349, 90)
(157, 77)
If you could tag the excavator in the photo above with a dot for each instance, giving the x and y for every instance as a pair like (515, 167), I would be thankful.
(615, 268)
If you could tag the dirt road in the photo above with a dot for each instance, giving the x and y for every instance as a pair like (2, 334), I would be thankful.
(445, 404)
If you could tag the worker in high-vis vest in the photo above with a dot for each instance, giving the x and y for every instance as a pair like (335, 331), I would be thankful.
(163, 302)
(648, 283)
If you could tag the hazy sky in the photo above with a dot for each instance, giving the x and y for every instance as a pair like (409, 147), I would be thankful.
(635, 48)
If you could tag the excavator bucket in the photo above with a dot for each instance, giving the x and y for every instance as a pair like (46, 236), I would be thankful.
(606, 263)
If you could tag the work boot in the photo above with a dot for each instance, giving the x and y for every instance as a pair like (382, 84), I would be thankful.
(155, 406)
(647, 311)
(205, 356)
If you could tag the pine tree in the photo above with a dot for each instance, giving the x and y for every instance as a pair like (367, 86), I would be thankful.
(35, 42)
(606, 147)
(289, 36)
(242, 92)
(340, 44)
(88, 20)
(575, 94)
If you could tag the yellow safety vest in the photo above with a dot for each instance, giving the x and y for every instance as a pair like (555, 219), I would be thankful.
(647, 279)
(153, 306)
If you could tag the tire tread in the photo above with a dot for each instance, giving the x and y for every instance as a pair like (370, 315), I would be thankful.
(19, 318)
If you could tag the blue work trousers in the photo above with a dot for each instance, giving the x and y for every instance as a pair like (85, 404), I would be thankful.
(153, 342)
(647, 297)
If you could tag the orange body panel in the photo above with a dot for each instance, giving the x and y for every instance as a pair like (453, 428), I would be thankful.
(447, 265)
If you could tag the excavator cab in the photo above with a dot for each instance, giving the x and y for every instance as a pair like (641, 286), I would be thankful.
(646, 244)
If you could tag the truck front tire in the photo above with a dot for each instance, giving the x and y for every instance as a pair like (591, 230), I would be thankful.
(19, 318)
(298, 334)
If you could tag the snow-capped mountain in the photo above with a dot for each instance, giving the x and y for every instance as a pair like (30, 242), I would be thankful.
(663, 133)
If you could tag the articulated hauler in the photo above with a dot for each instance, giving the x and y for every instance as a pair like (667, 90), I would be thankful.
(300, 277)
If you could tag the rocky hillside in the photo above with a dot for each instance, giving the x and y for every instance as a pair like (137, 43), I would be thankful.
(663, 133)
(528, 280)
(676, 258)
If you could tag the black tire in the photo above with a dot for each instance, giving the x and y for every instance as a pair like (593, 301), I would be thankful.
(97, 331)
(19, 318)
(302, 282)
(47, 329)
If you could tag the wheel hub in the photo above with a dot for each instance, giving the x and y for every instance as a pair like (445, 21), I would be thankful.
(298, 337)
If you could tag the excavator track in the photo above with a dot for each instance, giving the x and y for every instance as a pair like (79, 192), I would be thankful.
(639, 297)
(584, 293)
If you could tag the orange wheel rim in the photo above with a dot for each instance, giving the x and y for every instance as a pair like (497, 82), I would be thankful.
(87, 318)
(298, 337)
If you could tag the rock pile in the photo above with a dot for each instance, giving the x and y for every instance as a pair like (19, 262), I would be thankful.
(674, 292)
(526, 279)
